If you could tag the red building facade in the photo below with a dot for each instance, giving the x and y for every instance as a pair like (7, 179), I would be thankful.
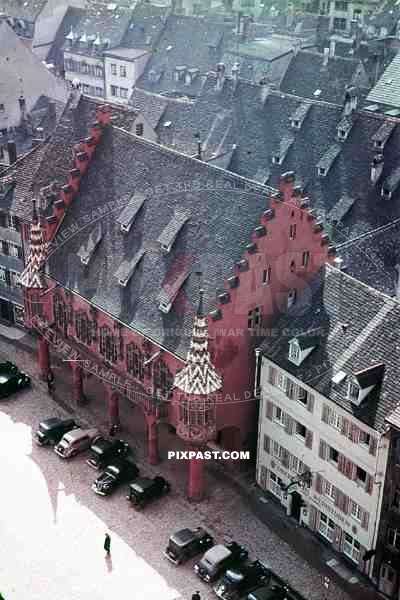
(285, 251)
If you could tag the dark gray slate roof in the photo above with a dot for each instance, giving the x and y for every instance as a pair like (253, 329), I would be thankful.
(51, 50)
(374, 258)
(260, 119)
(222, 217)
(152, 106)
(387, 89)
(194, 42)
(369, 338)
(306, 74)
(28, 9)
(147, 23)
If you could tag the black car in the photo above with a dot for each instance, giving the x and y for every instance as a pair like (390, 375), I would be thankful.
(240, 581)
(219, 558)
(12, 379)
(50, 431)
(269, 593)
(186, 543)
(117, 472)
(104, 450)
(144, 490)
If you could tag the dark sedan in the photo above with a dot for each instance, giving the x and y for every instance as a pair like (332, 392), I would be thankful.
(118, 472)
(50, 431)
(12, 379)
(145, 490)
(104, 450)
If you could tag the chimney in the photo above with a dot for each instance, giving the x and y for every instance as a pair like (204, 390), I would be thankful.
(22, 107)
(332, 48)
(12, 152)
(326, 57)
(51, 110)
(338, 263)
(235, 72)
(350, 101)
(220, 76)
(199, 146)
(376, 167)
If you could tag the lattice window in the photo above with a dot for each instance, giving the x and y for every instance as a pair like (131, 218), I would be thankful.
(197, 412)
(60, 312)
(82, 327)
(108, 345)
(134, 361)
(162, 378)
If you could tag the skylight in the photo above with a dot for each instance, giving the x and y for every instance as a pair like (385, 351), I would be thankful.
(338, 378)
(317, 93)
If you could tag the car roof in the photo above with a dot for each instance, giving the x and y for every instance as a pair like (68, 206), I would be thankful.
(75, 434)
(142, 484)
(183, 536)
(102, 442)
(263, 593)
(50, 421)
(217, 553)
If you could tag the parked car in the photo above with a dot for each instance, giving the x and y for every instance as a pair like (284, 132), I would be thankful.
(219, 558)
(75, 441)
(12, 379)
(104, 450)
(275, 592)
(186, 543)
(239, 581)
(50, 431)
(119, 471)
(144, 490)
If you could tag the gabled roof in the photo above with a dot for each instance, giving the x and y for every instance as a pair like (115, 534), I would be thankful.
(306, 74)
(368, 340)
(387, 89)
(308, 339)
(154, 171)
(28, 9)
(329, 157)
(152, 106)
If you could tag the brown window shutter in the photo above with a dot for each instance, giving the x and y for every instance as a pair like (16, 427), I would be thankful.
(289, 427)
(290, 389)
(325, 413)
(269, 409)
(309, 438)
(354, 472)
(285, 458)
(342, 463)
(267, 444)
(373, 444)
(345, 427)
(355, 434)
(338, 499)
(310, 402)
(349, 469)
(365, 519)
(345, 504)
(318, 484)
(322, 449)
(369, 484)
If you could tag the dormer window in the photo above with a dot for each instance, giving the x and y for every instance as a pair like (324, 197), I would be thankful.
(353, 391)
(254, 318)
(321, 172)
(296, 124)
(342, 134)
(291, 299)
(294, 352)
(292, 231)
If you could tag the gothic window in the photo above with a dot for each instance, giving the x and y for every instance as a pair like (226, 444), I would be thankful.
(197, 412)
(60, 312)
(134, 361)
(108, 345)
(82, 327)
(162, 379)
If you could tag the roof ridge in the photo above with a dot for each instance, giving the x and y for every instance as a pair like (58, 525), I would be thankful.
(229, 174)
(28, 154)
(371, 232)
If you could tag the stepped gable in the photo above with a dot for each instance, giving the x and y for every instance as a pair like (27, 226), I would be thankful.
(32, 276)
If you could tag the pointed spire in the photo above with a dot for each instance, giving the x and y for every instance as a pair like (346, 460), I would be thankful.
(199, 376)
(32, 276)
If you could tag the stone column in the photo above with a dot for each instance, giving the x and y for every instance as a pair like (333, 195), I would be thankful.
(43, 356)
(152, 441)
(196, 478)
(113, 407)
(77, 383)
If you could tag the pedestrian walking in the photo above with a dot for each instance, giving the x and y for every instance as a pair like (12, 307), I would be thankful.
(113, 430)
(196, 596)
(107, 544)
(50, 381)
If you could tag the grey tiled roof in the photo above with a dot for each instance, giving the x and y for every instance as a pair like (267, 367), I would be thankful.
(306, 74)
(50, 35)
(152, 106)
(370, 337)
(210, 243)
(387, 89)
(146, 25)
(329, 157)
(28, 9)
(374, 258)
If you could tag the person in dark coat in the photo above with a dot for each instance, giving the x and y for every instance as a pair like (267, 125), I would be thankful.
(113, 430)
(196, 596)
(50, 381)
(107, 543)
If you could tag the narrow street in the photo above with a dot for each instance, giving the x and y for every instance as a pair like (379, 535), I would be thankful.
(54, 549)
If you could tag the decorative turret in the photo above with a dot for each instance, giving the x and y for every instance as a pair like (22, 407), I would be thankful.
(196, 390)
(32, 276)
(199, 376)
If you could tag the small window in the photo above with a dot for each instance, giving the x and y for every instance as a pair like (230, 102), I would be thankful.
(296, 124)
(266, 276)
(12, 222)
(353, 391)
(361, 475)
(281, 381)
(114, 90)
(291, 299)
(85, 88)
(99, 91)
(254, 318)
(302, 395)
(292, 231)
(294, 351)
(333, 455)
(292, 266)
(329, 490)
(122, 71)
(393, 538)
(139, 129)
(339, 24)
(3, 278)
(113, 69)
(365, 438)
(279, 416)
(2, 107)
(301, 431)
(321, 171)
(305, 258)
(123, 92)
(98, 71)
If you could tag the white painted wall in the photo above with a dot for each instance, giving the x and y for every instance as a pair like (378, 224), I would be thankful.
(134, 68)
